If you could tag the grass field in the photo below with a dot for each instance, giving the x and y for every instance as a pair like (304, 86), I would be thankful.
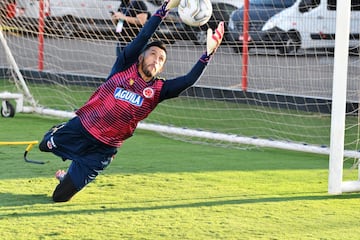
(158, 188)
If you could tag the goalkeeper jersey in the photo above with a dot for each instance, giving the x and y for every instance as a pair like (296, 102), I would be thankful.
(114, 110)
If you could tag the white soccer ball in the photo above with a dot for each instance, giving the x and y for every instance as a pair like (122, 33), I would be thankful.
(195, 13)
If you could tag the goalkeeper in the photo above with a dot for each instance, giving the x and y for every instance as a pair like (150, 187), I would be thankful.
(110, 116)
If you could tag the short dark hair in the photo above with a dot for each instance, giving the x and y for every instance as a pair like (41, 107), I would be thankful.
(158, 44)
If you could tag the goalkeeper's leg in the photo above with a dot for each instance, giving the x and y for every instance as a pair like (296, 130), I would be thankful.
(45, 144)
(65, 190)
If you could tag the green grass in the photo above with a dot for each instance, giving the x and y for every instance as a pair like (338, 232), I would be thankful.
(158, 188)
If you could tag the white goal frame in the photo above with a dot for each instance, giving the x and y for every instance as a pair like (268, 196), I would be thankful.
(336, 184)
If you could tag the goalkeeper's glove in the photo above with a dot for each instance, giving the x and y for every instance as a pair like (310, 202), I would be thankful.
(166, 6)
(213, 40)
(172, 4)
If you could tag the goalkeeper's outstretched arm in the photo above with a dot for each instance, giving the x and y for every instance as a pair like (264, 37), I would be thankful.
(132, 51)
(173, 87)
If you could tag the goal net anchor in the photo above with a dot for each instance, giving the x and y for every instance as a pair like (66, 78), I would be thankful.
(30, 145)
(7, 110)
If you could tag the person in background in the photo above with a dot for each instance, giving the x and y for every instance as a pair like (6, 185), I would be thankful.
(129, 19)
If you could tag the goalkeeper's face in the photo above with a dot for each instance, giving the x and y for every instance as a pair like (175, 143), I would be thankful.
(151, 62)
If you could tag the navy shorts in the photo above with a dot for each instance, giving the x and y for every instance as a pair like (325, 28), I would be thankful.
(71, 141)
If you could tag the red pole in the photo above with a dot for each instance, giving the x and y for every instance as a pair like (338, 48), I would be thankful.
(41, 36)
(245, 49)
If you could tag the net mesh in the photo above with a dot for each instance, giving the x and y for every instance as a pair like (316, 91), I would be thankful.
(288, 96)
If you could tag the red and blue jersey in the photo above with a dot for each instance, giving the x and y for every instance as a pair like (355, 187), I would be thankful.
(114, 110)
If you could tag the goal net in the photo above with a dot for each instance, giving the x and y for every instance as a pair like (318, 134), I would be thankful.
(274, 93)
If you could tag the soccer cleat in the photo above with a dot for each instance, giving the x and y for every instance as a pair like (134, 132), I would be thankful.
(60, 175)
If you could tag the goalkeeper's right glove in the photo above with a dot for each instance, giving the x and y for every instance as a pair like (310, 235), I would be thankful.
(166, 6)
(213, 41)
(172, 4)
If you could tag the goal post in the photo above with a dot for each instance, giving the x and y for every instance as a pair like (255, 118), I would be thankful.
(15, 68)
(32, 106)
(303, 101)
(336, 157)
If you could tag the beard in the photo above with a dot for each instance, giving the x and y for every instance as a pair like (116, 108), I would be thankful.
(147, 72)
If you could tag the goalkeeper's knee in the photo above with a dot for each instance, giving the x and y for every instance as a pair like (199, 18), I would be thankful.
(44, 144)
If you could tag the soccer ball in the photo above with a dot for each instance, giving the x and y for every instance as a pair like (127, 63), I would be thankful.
(195, 13)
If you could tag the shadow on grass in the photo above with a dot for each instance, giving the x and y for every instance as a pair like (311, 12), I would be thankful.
(14, 200)
(36, 199)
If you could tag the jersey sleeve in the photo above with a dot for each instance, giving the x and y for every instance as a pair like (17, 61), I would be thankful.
(173, 87)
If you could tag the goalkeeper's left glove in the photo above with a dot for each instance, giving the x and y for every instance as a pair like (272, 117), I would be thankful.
(213, 40)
